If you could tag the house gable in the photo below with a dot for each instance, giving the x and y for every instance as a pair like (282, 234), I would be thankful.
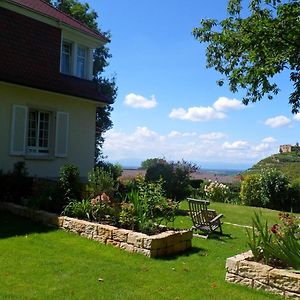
(31, 56)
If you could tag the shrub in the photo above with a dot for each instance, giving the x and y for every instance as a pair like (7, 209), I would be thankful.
(217, 192)
(294, 195)
(267, 189)
(278, 245)
(15, 186)
(175, 176)
(128, 217)
(150, 205)
(79, 209)
(114, 169)
(251, 191)
(100, 181)
(69, 182)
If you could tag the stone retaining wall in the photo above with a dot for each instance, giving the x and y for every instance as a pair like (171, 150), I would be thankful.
(163, 244)
(241, 270)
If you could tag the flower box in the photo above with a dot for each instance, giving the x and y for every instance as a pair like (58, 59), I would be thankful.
(242, 270)
(162, 244)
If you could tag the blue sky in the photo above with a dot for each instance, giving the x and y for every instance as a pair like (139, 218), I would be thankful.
(169, 104)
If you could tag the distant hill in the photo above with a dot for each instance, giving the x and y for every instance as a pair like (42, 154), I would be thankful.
(288, 163)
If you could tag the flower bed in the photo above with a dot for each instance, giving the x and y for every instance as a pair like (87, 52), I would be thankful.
(163, 244)
(240, 269)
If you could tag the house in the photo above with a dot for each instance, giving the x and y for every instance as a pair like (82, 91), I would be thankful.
(48, 100)
(289, 148)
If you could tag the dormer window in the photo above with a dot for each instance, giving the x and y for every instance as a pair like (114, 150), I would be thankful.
(81, 62)
(66, 58)
(76, 60)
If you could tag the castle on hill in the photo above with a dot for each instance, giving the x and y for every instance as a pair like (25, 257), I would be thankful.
(289, 148)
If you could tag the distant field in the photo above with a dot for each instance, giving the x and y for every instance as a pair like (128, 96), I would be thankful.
(207, 175)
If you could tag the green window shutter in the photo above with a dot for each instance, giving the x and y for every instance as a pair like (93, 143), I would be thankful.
(62, 134)
(18, 130)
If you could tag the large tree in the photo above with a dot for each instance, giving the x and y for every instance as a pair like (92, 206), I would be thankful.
(252, 45)
(83, 13)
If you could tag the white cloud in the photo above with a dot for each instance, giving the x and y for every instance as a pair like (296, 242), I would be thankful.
(212, 136)
(175, 133)
(196, 114)
(144, 132)
(237, 145)
(269, 139)
(138, 101)
(143, 143)
(278, 121)
(297, 117)
(225, 104)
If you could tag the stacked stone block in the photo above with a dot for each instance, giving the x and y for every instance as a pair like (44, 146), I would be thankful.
(162, 244)
(240, 269)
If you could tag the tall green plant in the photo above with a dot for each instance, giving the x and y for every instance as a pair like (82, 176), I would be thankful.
(278, 245)
(100, 181)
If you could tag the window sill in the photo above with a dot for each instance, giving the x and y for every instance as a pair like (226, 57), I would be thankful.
(38, 157)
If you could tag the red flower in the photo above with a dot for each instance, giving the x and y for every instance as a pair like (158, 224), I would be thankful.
(275, 228)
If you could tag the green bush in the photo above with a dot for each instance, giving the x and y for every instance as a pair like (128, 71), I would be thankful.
(294, 195)
(100, 181)
(114, 169)
(217, 192)
(175, 176)
(267, 189)
(69, 182)
(278, 245)
(251, 191)
(150, 205)
(79, 209)
(16, 186)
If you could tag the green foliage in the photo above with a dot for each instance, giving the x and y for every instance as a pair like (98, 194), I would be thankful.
(278, 245)
(69, 182)
(15, 186)
(267, 189)
(150, 205)
(115, 169)
(175, 176)
(288, 163)
(150, 162)
(100, 181)
(79, 209)
(128, 217)
(249, 51)
(217, 192)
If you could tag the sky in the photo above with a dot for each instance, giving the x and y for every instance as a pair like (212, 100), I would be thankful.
(168, 102)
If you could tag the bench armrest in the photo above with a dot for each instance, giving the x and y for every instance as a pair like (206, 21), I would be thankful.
(216, 218)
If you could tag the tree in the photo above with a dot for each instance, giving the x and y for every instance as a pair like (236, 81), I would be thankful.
(175, 176)
(250, 51)
(83, 13)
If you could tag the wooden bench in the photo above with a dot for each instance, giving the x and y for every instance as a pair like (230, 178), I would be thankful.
(204, 219)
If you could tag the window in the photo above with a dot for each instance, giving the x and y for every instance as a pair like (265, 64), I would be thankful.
(66, 58)
(81, 62)
(39, 133)
(76, 60)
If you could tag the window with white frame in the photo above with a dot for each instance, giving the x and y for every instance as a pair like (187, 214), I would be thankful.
(66, 58)
(76, 60)
(40, 133)
(81, 62)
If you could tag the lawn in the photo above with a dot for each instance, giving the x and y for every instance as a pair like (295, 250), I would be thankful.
(41, 263)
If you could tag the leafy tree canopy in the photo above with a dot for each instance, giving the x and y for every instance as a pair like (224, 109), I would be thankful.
(83, 13)
(251, 46)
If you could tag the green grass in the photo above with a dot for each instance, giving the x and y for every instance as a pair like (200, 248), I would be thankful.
(41, 263)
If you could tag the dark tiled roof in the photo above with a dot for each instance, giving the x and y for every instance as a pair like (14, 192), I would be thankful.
(44, 8)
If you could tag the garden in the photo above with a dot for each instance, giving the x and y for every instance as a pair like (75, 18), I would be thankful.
(150, 204)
